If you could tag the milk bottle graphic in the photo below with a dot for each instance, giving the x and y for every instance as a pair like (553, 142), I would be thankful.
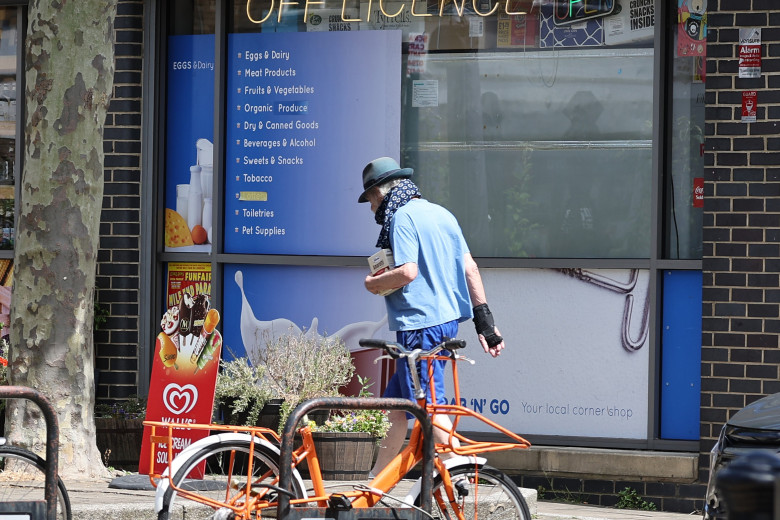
(205, 161)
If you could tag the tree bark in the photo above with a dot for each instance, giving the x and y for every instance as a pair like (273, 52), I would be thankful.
(69, 71)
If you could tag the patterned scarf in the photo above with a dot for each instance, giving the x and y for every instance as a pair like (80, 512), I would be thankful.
(405, 191)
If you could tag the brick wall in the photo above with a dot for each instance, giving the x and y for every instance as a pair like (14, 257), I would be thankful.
(741, 299)
(116, 342)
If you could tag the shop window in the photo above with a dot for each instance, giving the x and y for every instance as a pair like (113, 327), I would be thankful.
(539, 153)
(535, 131)
(685, 167)
(8, 122)
(10, 29)
(191, 17)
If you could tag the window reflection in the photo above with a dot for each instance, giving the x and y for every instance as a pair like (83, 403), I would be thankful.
(8, 75)
(539, 154)
(684, 182)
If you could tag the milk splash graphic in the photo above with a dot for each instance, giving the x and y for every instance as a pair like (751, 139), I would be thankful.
(255, 332)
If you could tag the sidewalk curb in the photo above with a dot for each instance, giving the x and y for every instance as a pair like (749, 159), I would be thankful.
(95, 500)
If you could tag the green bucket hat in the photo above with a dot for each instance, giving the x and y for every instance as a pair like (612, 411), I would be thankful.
(380, 171)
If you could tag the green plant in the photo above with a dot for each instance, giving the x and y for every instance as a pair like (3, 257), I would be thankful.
(559, 495)
(240, 387)
(133, 407)
(374, 422)
(630, 499)
(300, 367)
(101, 315)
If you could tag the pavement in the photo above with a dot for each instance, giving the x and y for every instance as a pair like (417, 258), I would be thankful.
(102, 499)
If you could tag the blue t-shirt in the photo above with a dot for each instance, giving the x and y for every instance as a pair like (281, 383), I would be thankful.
(428, 235)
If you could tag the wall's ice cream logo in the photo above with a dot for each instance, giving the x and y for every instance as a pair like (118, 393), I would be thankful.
(180, 399)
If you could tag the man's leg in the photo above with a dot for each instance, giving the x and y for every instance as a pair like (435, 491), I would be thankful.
(441, 435)
(393, 442)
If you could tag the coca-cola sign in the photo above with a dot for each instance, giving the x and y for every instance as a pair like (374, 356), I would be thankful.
(698, 192)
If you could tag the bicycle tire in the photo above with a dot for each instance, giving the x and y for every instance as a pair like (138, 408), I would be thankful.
(217, 476)
(23, 477)
(498, 498)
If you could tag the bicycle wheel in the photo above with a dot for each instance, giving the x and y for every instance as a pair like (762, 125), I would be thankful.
(23, 477)
(222, 480)
(484, 493)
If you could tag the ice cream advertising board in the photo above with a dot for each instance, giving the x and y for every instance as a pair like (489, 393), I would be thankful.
(184, 374)
(577, 356)
(301, 126)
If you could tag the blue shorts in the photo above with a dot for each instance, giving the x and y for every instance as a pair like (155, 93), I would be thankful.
(400, 384)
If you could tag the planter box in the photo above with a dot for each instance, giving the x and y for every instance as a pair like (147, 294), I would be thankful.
(268, 417)
(345, 455)
(123, 438)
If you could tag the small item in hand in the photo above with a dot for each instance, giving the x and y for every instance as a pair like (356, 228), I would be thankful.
(483, 321)
(380, 262)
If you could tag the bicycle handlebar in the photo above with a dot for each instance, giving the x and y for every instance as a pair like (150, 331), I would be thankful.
(395, 351)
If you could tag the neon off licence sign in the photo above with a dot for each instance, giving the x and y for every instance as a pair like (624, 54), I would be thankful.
(568, 12)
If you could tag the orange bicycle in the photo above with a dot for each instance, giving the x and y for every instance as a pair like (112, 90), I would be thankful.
(237, 471)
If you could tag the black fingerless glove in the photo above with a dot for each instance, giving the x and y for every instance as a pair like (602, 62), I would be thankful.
(483, 321)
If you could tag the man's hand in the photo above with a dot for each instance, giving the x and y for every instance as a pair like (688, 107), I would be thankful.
(391, 279)
(493, 351)
(491, 340)
(371, 284)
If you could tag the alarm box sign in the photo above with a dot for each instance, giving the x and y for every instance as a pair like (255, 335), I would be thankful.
(750, 53)
(184, 375)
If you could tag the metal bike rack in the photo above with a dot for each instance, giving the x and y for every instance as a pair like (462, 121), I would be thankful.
(286, 512)
(46, 509)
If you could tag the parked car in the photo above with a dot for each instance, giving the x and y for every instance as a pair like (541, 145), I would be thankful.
(755, 427)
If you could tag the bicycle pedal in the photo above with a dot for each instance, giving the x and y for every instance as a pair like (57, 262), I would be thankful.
(339, 503)
(461, 488)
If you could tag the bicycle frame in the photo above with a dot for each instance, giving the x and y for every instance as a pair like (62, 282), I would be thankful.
(468, 446)
(243, 502)
(421, 451)
(52, 449)
(412, 454)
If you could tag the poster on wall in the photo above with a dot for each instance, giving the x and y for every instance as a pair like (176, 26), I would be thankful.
(577, 350)
(691, 27)
(749, 106)
(189, 278)
(517, 30)
(632, 21)
(329, 20)
(300, 130)
(391, 16)
(584, 33)
(189, 171)
(264, 302)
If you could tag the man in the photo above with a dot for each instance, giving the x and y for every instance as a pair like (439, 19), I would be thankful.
(438, 284)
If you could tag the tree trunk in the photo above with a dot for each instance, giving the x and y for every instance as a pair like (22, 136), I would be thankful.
(69, 67)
